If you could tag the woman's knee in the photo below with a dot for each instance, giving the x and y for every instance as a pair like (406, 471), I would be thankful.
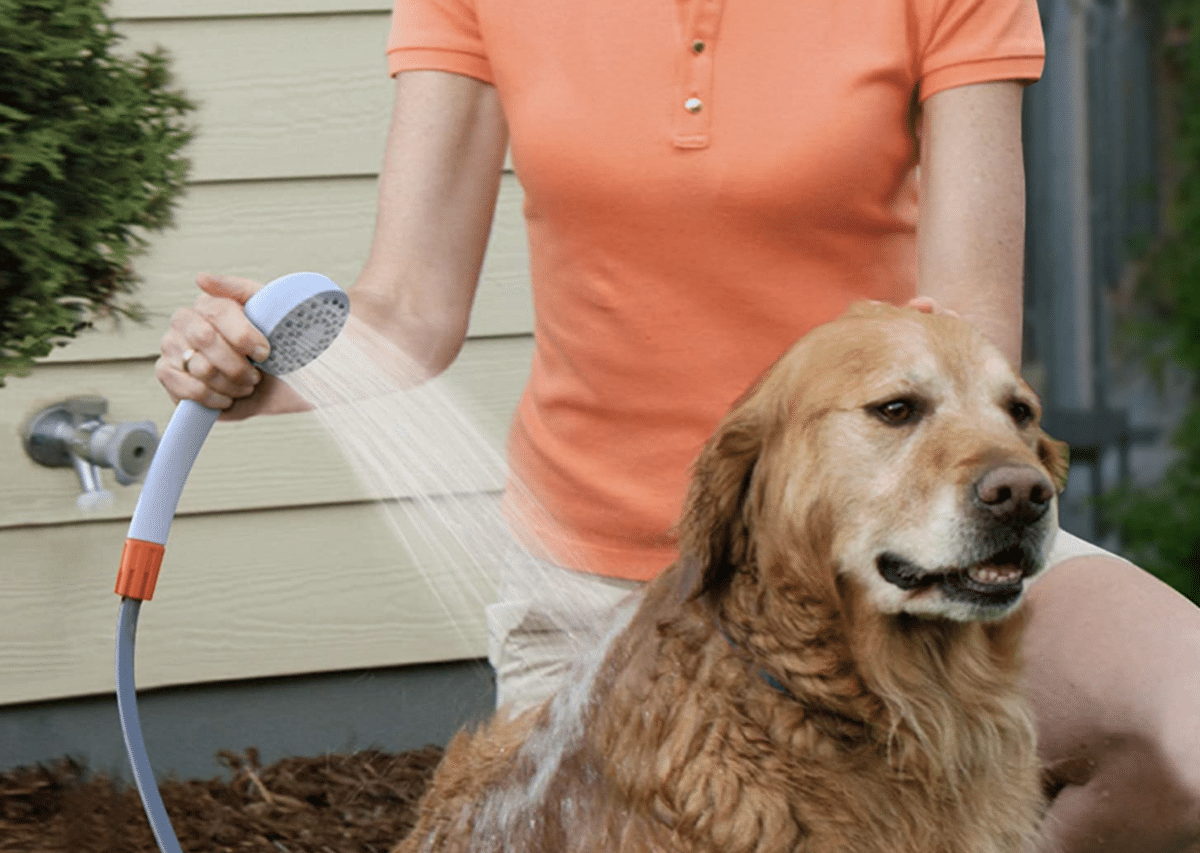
(1114, 660)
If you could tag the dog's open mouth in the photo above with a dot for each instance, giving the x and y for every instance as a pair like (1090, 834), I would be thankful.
(995, 582)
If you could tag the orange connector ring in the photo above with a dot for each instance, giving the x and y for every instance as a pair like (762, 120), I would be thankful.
(140, 562)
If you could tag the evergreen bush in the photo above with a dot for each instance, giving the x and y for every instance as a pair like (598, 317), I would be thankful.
(1160, 527)
(90, 162)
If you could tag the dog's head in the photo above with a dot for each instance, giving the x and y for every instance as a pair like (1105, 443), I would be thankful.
(894, 449)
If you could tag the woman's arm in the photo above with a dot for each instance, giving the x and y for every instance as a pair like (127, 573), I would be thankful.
(971, 227)
(437, 192)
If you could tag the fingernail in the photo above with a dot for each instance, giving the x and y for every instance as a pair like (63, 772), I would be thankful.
(260, 354)
(255, 377)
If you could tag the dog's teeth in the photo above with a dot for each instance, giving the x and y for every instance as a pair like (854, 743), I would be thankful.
(994, 574)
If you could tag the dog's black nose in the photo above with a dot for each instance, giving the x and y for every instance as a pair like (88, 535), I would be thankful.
(1015, 494)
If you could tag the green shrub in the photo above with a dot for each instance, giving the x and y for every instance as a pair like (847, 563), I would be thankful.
(1160, 527)
(89, 162)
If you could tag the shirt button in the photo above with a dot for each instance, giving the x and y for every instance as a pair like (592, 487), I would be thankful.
(693, 105)
(698, 46)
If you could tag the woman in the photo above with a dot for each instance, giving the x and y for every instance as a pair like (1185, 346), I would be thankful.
(706, 181)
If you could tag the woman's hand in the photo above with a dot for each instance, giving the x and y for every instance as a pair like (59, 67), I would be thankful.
(929, 305)
(205, 350)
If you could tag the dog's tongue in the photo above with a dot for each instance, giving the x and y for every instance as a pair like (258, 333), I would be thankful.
(994, 575)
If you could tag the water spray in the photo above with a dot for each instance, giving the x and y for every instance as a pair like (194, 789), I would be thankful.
(300, 315)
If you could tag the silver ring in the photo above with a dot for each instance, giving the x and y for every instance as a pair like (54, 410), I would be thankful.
(187, 356)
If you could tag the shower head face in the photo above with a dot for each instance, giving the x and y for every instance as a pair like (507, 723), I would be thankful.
(305, 332)
(300, 315)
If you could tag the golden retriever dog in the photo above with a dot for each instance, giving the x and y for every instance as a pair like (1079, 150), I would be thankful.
(833, 663)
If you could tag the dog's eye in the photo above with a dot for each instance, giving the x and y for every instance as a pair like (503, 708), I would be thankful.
(1021, 413)
(897, 412)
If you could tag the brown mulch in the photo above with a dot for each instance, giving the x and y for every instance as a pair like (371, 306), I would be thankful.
(360, 803)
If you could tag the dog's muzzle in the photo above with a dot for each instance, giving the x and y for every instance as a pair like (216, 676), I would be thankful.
(1008, 506)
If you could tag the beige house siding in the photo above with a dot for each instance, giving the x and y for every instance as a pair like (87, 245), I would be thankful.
(278, 562)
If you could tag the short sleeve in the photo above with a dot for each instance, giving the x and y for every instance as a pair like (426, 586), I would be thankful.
(437, 35)
(977, 41)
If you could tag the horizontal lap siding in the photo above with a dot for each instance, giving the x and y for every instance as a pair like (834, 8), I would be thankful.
(279, 562)
(288, 97)
(265, 229)
(242, 595)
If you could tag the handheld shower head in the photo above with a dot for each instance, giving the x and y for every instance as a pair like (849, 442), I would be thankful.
(300, 315)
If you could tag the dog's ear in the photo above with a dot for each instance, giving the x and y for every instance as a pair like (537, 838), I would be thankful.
(1055, 456)
(714, 533)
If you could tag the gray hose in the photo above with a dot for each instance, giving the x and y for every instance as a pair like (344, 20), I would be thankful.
(131, 728)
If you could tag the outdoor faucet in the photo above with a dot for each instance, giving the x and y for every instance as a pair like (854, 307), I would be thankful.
(73, 434)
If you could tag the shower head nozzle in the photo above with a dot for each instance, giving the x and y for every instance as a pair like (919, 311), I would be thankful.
(300, 314)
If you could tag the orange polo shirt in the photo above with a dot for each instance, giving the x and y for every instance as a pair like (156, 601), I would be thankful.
(705, 181)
